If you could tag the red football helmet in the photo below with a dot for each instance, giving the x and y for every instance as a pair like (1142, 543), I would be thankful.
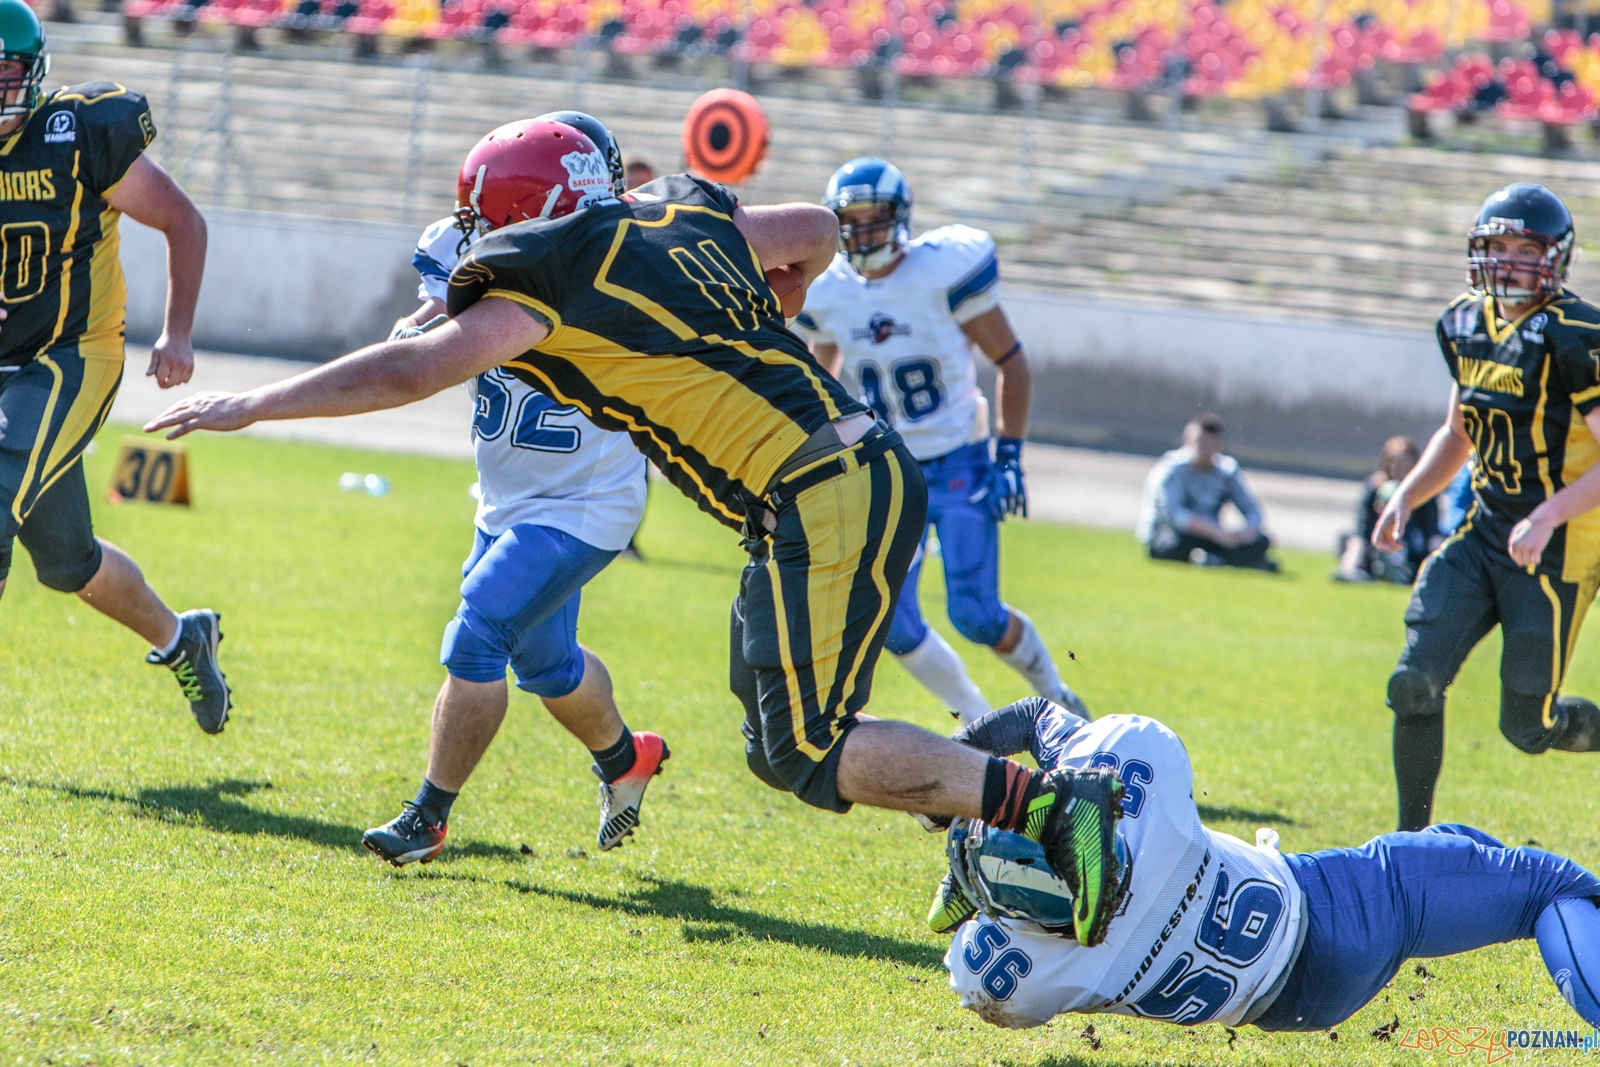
(529, 170)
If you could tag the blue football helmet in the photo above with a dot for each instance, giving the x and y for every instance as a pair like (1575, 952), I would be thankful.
(1006, 874)
(869, 180)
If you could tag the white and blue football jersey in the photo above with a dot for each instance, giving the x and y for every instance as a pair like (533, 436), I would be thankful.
(1209, 929)
(538, 461)
(904, 352)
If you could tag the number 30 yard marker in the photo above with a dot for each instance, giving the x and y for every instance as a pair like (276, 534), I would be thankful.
(152, 470)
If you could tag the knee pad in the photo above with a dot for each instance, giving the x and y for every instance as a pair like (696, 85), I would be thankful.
(1413, 695)
(1522, 720)
(471, 655)
(979, 622)
(66, 571)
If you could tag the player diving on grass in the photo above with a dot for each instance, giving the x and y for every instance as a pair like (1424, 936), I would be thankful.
(1525, 402)
(652, 314)
(1203, 927)
(72, 164)
(558, 498)
(896, 320)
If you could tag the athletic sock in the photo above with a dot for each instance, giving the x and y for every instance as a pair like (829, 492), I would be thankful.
(1032, 660)
(434, 803)
(1418, 755)
(614, 762)
(939, 668)
(171, 646)
(1011, 792)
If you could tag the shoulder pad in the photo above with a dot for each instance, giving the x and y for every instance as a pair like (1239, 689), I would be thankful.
(958, 249)
(1463, 317)
(91, 93)
(1570, 310)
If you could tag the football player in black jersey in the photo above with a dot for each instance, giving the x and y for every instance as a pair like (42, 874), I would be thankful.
(652, 314)
(1524, 354)
(71, 164)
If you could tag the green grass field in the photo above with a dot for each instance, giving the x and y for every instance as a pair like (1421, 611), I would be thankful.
(172, 898)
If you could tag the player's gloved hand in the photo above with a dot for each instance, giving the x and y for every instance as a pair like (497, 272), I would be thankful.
(1003, 491)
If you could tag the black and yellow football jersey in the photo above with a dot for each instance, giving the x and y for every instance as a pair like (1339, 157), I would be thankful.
(662, 326)
(1525, 389)
(60, 263)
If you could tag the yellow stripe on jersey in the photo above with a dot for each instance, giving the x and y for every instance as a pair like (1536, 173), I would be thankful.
(40, 440)
(102, 374)
(1555, 650)
(527, 301)
(1539, 445)
(1587, 394)
(1583, 532)
(681, 393)
(108, 292)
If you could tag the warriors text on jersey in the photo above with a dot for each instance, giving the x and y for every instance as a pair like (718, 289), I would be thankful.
(539, 462)
(662, 326)
(904, 351)
(1210, 926)
(61, 281)
(1525, 389)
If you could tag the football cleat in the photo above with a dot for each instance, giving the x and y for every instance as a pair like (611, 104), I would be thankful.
(951, 905)
(407, 838)
(1076, 822)
(620, 800)
(194, 664)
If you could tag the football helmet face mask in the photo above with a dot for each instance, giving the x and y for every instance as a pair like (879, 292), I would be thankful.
(23, 60)
(601, 135)
(1527, 211)
(529, 170)
(871, 246)
(1006, 874)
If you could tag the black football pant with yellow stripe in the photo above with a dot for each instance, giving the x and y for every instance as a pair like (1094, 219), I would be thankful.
(50, 409)
(1464, 590)
(814, 608)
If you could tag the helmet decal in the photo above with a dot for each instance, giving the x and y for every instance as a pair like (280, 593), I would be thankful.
(532, 169)
(587, 176)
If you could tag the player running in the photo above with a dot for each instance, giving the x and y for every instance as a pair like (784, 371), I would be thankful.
(1526, 403)
(1209, 929)
(71, 164)
(896, 321)
(558, 499)
(650, 314)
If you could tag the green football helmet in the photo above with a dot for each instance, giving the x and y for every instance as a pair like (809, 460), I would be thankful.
(21, 41)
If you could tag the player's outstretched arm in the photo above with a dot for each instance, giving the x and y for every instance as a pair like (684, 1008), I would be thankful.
(487, 334)
(805, 236)
(1447, 450)
(1530, 536)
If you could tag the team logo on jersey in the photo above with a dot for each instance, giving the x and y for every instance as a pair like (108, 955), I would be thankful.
(60, 127)
(880, 328)
(587, 176)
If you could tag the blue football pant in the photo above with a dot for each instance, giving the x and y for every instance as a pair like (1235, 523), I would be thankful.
(519, 606)
(1445, 890)
(969, 541)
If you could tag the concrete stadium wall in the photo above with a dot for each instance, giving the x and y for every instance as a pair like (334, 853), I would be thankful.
(1308, 396)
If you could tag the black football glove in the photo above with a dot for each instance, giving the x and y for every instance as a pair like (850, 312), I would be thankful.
(1003, 491)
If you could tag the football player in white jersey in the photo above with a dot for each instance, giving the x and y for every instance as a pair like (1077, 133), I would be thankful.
(557, 500)
(1206, 928)
(896, 321)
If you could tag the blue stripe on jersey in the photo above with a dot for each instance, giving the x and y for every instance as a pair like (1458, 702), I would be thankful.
(983, 278)
(429, 267)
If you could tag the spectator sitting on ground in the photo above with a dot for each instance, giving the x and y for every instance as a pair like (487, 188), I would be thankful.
(637, 171)
(1180, 518)
(1358, 560)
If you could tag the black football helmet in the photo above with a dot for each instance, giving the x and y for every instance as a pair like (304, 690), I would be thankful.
(601, 135)
(1520, 210)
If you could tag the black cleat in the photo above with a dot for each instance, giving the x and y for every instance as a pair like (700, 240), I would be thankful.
(1079, 835)
(406, 838)
(194, 664)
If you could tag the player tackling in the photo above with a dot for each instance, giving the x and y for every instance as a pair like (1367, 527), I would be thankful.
(558, 499)
(1205, 928)
(651, 314)
(1525, 401)
(71, 164)
(896, 320)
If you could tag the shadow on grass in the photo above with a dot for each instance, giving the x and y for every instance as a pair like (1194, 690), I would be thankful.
(1210, 812)
(706, 920)
(218, 807)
